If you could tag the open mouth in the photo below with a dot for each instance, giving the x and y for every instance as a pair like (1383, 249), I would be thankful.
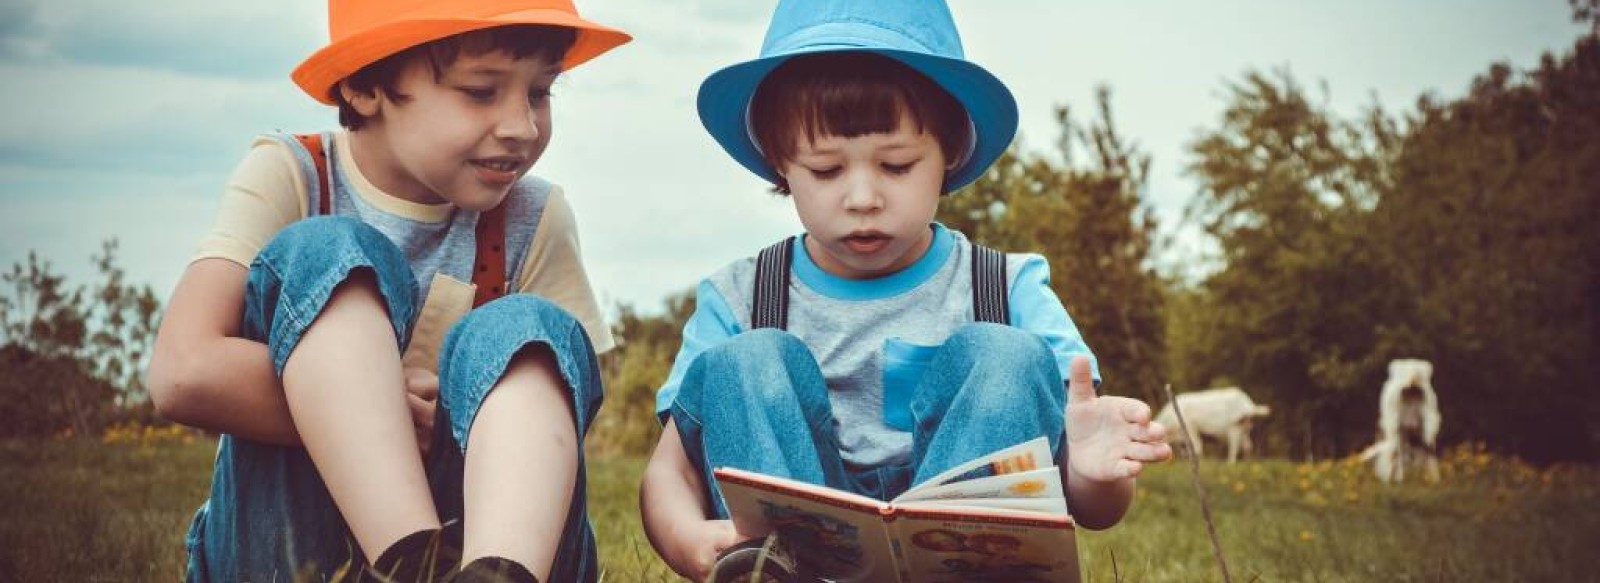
(499, 170)
(866, 242)
(501, 165)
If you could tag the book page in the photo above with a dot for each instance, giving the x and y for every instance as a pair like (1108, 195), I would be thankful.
(1040, 483)
(1030, 455)
(998, 546)
(840, 535)
(1047, 506)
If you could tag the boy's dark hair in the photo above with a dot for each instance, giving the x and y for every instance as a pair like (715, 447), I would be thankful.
(850, 94)
(520, 41)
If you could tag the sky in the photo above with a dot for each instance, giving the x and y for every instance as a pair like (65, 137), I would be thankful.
(124, 119)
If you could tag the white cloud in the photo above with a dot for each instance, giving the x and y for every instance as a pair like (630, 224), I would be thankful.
(226, 39)
(69, 115)
(157, 217)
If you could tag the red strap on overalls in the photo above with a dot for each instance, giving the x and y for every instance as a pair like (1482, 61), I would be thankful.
(490, 272)
(319, 157)
(489, 264)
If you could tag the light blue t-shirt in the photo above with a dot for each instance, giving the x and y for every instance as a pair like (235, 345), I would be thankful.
(866, 333)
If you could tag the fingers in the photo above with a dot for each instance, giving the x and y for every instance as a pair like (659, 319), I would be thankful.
(727, 535)
(422, 383)
(1080, 385)
(717, 536)
(422, 397)
(1126, 409)
(1155, 432)
(1147, 433)
(1148, 441)
(422, 410)
(1134, 410)
(1146, 452)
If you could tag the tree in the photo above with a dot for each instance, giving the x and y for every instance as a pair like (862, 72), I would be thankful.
(1492, 223)
(1465, 237)
(126, 318)
(42, 315)
(1284, 189)
(74, 356)
(1587, 11)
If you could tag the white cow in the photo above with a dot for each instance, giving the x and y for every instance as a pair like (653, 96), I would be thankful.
(1225, 413)
(1408, 422)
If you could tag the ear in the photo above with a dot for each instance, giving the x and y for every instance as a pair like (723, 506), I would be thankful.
(364, 102)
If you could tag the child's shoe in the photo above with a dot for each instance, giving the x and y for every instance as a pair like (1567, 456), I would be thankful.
(493, 570)
(419, 557)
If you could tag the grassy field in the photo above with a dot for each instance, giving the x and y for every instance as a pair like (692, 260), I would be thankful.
(81, 510)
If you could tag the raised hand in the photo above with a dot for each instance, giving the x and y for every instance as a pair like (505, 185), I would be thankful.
(1109, 438)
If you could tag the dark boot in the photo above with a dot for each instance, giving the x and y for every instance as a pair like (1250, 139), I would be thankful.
(493, 570)
(419, 557)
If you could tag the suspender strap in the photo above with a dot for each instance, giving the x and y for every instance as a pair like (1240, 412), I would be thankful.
(489, 271)
(319, 157)
(489, 263)
(770, 306)
(990, 301)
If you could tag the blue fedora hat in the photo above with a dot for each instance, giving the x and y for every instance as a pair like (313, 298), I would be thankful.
(919, 33)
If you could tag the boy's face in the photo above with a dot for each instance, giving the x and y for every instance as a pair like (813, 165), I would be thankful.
(866, 201)
(464, 139)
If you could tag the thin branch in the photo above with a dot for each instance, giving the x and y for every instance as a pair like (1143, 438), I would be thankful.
(1200, 489)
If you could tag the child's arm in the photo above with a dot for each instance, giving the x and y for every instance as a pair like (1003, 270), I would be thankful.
(674, 511)
(1109, 439)
(202, 374)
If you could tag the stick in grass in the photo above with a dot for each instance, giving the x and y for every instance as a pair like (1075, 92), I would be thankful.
(1200, 489)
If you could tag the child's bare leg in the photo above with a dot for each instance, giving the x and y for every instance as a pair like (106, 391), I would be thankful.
(521, 465)
(346, 393)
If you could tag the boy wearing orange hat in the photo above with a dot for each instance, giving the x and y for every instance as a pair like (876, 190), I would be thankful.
(879, 348)
(354, 290)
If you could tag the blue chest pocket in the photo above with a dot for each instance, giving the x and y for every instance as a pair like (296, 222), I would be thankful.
(903, 366)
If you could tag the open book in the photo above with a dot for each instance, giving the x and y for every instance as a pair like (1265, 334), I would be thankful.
(1001, 517)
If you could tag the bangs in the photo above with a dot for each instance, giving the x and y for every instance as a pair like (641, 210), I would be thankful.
(519, 41)
(850, 94)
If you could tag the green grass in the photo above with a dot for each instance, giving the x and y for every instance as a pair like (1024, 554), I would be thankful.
(1489, 519)
(79, 510)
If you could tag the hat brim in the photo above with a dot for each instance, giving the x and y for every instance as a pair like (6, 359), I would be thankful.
(724, 101)
(322, 70)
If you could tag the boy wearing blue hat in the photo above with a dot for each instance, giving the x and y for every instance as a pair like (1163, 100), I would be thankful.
(879, 348)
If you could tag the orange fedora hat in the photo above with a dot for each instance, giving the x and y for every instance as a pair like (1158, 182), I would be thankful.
(362, 32)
